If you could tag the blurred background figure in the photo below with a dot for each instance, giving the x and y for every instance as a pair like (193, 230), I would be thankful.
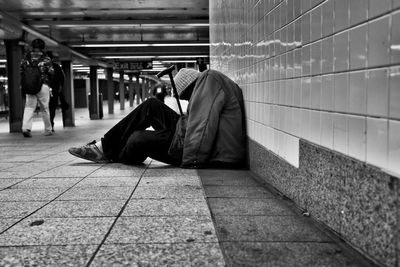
(36, 70)
(160, 91)
(57, 95)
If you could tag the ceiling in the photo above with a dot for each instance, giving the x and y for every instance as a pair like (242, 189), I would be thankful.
(106, 32)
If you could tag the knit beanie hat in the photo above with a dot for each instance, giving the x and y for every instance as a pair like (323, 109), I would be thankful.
(184, 78)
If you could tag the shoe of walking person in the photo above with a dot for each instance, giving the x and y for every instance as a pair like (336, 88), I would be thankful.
(27, 133)
(89, 152)
(48, 133)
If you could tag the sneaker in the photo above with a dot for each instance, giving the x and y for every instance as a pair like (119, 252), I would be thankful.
(27, 133)
(89, 152)
(48, 133)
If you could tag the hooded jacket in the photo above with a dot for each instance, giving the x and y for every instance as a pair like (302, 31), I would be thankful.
(215, 130)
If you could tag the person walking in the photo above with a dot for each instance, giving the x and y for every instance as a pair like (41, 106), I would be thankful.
(56, 84)
(36, 69)
(211, 134)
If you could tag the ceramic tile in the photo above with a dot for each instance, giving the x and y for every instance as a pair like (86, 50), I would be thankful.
(378, 7)
(341, 94)
(377, 92)
(395, 38)
(305, 92)
(377, 142)
(327, 55)
(358, 92)
(327, 92)
(316, 23)
(327, 17)
(315, 92)
(357, 137)
(342, 17)
(394, 93)
(305, 28)
(358, 11)
(340, 133)
(378, 42)
(341, 51)
(316, 58)
(358, 47)
(327, 129)
(394, 147)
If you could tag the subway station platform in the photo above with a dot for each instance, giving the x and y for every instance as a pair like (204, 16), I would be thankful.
(58, 210)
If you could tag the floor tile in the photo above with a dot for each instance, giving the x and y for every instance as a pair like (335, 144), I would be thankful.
(117, 169)
(248, 206)
(169, 171)
(166, 207)
(33, 194)
(267, 228)
(163, 230)
(4, 183)
(71, 255)
(83, 208)
(168, 192)
(109, 181)
(178, 254)
(286, 254)
(56, 231)
(237, 191)
(70, 171)
(47, 183)
(171, 180)
(97, 193)
(20, 209)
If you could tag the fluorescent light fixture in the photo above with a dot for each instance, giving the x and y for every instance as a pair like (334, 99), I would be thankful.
(3, 60)
(157, 57)
(140, 45)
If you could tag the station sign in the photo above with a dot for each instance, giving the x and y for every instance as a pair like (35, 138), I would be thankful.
(133, 65)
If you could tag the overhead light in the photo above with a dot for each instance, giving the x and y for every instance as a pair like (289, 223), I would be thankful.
(3, 60)
(141, 45)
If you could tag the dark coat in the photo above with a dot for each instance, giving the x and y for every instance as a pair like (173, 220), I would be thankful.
(215, 131)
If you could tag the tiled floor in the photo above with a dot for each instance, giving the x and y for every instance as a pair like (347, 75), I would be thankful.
(58, 210)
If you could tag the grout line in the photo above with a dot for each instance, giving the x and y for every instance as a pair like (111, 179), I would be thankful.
(117, 217)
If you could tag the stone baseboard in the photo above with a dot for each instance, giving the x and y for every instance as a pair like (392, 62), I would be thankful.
(359, 202)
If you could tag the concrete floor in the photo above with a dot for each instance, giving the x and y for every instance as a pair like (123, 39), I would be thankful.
(58, 210)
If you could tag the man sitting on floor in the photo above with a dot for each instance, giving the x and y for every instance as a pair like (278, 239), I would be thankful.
(211, 134)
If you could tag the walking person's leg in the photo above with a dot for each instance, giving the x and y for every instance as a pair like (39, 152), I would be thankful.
(52, 109)
(43, 98)
(29, 110)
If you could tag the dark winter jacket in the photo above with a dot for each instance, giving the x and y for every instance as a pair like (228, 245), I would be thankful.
(215, 131)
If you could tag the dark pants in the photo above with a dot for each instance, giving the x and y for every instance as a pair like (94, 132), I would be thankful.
(129, 142)
(53, 103)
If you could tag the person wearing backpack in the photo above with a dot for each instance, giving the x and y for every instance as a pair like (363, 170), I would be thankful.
(56, 84)
(36, 69)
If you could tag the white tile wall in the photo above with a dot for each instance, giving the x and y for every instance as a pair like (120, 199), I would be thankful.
(327, 71)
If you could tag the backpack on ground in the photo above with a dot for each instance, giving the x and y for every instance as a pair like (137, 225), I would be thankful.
(31, 81)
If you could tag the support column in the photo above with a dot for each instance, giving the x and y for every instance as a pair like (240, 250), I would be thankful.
(131, 90)
(68, 90)
(137, 89)
(144, 95)
(110, 90)
(94, 109)
(121, 90)
(16, 103)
